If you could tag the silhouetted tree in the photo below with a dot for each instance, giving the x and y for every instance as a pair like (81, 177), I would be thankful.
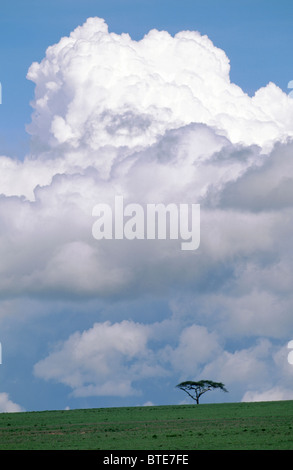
(196, 389)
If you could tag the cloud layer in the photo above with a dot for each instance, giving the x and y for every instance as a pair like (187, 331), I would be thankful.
(156, 120)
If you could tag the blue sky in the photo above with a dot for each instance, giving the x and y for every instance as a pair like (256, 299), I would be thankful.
(216, 303)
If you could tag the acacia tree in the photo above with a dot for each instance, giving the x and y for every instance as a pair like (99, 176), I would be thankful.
(196, 389)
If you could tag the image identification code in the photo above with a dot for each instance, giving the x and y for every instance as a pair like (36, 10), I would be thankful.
(150, 459)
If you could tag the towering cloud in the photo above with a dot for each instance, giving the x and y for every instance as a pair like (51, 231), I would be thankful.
(96, 89)
(156, 120)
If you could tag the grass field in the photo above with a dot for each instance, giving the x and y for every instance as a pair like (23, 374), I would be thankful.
(232, 426)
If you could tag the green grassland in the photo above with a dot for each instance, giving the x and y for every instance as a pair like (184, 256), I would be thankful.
(227, 426)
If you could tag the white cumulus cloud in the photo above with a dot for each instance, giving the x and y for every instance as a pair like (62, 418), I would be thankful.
(7, 405)
(104, 360)
(274, 394)
(96, 88)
